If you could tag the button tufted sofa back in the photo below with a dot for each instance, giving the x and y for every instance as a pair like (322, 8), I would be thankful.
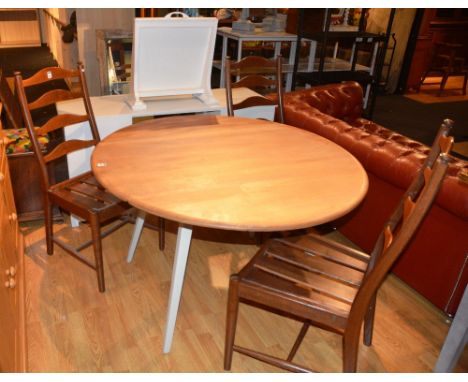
(334, 112)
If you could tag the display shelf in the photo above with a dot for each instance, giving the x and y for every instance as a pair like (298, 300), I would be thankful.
(328, 69)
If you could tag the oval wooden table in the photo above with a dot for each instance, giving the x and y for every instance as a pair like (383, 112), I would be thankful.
(229, 173)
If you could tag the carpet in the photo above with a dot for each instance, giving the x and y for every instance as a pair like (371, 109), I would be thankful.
(461, 148)
(420, 121)
(429, 89)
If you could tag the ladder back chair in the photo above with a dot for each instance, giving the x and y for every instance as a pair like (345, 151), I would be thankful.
(255, 73)
(447, 60)
(10, 104)
(327, 284)
(81, 195)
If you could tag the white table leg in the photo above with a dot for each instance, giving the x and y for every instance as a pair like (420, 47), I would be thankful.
(140, 220)
(456, 339)
(222, 83)
(184, 236)
(292, 55)
(74, 221)
(277, 49)
(239, 53)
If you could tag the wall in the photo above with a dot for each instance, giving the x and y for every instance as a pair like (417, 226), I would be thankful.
(377, 23)
(89, 20)
(66, 54)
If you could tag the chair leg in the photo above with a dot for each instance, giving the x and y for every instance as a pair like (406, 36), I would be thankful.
(162, 234)
(49, 226)
(231, 320)
(350, 352)
(442, 84)
(97, 246)
(369, 322)
(298, 342)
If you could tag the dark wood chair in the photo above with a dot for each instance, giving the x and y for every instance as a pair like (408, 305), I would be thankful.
(259, 74)
(23, 166)
(328, 284)
(446, 62)
(81, 195)
(10, 104)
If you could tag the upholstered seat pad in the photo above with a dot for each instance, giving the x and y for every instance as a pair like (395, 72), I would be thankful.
(19, 142)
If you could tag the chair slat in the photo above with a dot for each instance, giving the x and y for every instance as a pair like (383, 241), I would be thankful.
(66, 147)
(49, 74)
(408, 208)
(446, 143)
(59, 121)
(309, 280)
(51, 97)
(316, 263)
(388, 238)
(253, 81)
(253, 101)
(292, 291)
(94, 192)
(78, 199)
(331, 253)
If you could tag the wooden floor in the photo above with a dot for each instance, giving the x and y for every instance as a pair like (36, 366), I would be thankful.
(72, 327)
(428, 93)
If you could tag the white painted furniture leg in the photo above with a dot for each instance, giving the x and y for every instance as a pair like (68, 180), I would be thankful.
(139, 222)
(456, 339)
(184, 236)
(74, 221)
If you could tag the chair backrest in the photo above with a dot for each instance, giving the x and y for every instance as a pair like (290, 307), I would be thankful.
(442, 142)
(56, 122)
(403, 223)
(259, 74)
(10, 104)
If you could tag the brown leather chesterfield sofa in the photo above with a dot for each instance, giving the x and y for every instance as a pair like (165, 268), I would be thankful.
(435, 263)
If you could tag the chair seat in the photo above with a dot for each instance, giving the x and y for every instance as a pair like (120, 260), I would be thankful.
(19, 142)
(312, 276)
(88, 197)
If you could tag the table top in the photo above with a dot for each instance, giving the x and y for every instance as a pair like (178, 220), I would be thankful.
(257, 35)
(230, 172)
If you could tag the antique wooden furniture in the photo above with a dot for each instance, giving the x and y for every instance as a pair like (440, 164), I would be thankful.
(23, 166)
(80, 195)
(255, 72)
(12, 295)
(328, 284)
(446, 62)
(229, 173)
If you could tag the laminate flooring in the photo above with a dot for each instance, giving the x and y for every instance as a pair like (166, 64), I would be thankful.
(71, 327)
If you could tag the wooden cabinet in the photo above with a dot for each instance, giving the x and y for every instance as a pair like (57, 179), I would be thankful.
(19, 27)
(12, 309)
